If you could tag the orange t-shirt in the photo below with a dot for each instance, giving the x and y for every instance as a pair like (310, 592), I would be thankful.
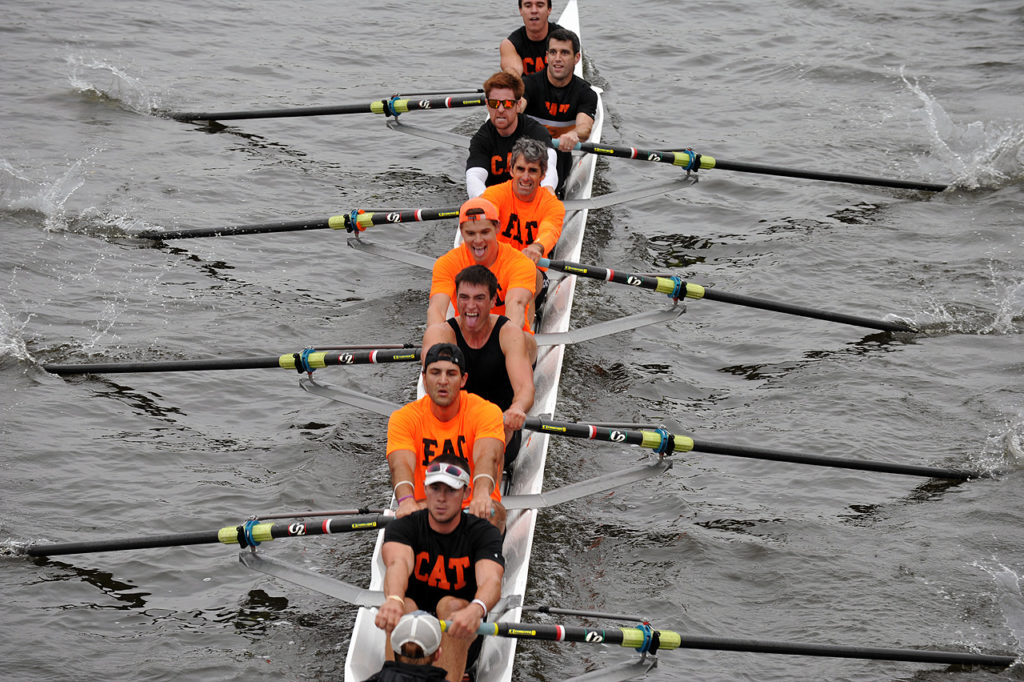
(414, 427)
(512, 268)
(522, 223)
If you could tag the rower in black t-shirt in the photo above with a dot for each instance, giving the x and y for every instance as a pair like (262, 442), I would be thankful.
(525, 49)
(444, 561)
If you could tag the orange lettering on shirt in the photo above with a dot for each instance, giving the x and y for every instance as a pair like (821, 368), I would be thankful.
(438, 578)
(417, 571)
(461, 564)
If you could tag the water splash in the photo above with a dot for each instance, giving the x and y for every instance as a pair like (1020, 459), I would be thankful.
(12, 341)
(48, 196)
(999, 312)
(981, 154)
(110, 82)
(1008, 596)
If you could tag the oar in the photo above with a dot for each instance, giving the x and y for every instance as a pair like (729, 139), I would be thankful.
(668, 442)
(388, 107)
(300, 362)
(245, 535)
(677, 288)
(361, 219)
(693, 161)
(657, 640)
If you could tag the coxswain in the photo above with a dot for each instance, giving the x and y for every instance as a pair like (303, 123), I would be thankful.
(442, 560)
(499, 356)
(490, 148)
(416, 642)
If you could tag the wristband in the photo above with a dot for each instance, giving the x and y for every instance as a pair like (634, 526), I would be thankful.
(403, 498)
(494, 484)
(396, 598)
(408, 483)
(482, 605)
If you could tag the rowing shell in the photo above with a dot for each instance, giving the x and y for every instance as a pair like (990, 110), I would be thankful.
(366, 650)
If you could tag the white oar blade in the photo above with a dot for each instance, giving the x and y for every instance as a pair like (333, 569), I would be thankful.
(591, 486)
(332, 587)
(621, 324)
(349, 397)
(628, 670)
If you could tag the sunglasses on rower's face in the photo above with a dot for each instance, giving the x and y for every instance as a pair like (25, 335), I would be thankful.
(450, 469)
(507, 103)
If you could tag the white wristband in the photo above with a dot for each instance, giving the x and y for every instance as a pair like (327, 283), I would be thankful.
(494, 484)
(482, 605)
(408, 483)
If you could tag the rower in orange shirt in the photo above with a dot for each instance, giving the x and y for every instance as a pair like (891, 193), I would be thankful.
(530, 216)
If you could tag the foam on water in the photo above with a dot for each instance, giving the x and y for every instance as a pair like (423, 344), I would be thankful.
(113, 82)
(981, 154)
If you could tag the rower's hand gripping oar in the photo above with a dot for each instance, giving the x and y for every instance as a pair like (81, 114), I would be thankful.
(389, 107)
(691, 161)
(648, 640)
(664, 442)
(676, 288)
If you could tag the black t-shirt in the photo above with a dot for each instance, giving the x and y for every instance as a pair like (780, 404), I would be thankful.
(533, 52)
(557, 106)
(490, 150)
(394, 671)
(444, 564)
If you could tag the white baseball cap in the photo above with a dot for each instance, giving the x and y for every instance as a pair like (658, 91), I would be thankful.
(420, 628)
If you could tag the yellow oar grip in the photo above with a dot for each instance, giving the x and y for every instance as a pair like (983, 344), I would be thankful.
(315, 360)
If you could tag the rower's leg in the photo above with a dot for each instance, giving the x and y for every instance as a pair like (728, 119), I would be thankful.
(453, 651)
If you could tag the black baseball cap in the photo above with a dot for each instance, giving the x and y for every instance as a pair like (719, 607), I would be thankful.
(445, 351)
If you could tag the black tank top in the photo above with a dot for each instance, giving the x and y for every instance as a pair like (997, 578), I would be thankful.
(488, 377)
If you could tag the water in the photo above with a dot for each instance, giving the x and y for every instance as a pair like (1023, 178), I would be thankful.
(720, 546)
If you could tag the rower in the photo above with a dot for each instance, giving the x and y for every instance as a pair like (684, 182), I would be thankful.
(518, 277)
(416, 641)
(499, 356)
(490, 149)
(444, 561)
(561, 100)
(530, 216)
(447, 420)
(525, 49)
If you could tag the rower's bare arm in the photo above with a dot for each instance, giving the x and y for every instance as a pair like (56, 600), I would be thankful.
(435, 334)
(488, 462)
(518, 363)
(584, 126)
(398, 565)
(403, 466)
(466, 621)
(437, 310)
(518, 302)
(510, 59)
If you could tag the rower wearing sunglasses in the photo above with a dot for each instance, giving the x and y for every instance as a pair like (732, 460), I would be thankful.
(447, 421)
(490, 149)
(444, 561)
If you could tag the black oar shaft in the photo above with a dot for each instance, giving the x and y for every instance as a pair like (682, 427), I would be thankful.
(229, 535)
(658, 440)
(389, 107)
(676, 287)
(357, 220)
(667, 639)
(693, 161)
(300, 362)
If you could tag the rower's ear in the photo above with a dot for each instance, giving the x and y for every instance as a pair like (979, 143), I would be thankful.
(465, 375)
(521, 105)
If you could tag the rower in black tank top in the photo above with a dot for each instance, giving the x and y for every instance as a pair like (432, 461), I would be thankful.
(487, 376)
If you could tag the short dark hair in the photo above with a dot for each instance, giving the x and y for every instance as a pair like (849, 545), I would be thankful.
(452, 458)
(521, 4)
(565, 34)
(478, 274)
(532, 151)
(504, 79)
(413, 653)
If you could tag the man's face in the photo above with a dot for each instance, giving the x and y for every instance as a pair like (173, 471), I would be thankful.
(526, 177)
(474, 303)
(503, 117)
(443, 502)
(535, 14)
(442, 380)
(481, 238)
(561, 60)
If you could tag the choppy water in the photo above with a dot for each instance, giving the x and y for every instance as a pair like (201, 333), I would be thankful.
(738, 548)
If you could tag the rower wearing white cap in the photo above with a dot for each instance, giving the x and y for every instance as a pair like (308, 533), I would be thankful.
(444, 561)
(416, 641)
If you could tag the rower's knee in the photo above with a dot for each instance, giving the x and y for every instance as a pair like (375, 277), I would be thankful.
(448, 605)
